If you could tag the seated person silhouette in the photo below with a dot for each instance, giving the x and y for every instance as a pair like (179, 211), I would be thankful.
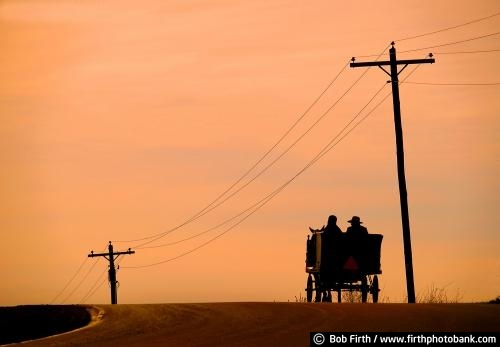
(330, 233)
(331, 228)
(356, 228)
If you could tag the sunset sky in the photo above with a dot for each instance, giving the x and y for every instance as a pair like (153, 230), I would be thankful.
(122, 120)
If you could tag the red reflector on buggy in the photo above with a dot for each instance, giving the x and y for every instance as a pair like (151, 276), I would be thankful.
(351, 264)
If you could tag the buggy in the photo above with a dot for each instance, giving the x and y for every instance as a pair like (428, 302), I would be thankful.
(344, 262)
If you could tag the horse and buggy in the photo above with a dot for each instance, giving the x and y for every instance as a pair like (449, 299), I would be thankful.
(344, 262)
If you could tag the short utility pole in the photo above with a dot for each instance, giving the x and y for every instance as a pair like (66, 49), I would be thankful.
(405, 221)
(111, 257)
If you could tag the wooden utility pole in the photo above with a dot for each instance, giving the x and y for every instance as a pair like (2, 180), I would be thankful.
(405, 220)
(111, 257)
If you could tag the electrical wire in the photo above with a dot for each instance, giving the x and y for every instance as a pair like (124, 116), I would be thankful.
(246, 210)
(254, 208)
(81, 281)
(450, 28)
(469, 52)
(209, 208)
(447, 44)
(333, 143)
(94, 287)
(336, 140)
(262, 171)
(435, 32)
(454, 84)
(70, 280)
(451, 43)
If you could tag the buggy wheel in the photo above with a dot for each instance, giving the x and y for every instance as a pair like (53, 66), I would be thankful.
(324, 298)
(328, 296)
(364, 289)
(309, 288)
(375, 289)
(317, 288)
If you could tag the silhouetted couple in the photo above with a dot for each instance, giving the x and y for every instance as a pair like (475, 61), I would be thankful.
(333, 229)
(332, 251)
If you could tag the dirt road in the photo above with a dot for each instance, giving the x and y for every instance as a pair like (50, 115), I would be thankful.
(266, 324)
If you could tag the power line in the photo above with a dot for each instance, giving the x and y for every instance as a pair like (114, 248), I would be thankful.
(274, 161)
(261, 172)
(209, 208)
(258, 174)
(81, 281)
(255, 207)
(451, 43)
(449, 28)
(214, 203)
(70, 280)
(94, 287)
(335, 141)
(435, 32)
(454, 84)
(470, 52)
(198, 234)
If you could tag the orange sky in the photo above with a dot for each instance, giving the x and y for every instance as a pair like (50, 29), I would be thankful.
(122, 120)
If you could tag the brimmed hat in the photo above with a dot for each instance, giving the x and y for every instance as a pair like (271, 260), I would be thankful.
(355, 219)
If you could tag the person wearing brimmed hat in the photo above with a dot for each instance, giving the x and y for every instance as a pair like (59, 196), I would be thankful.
(356, 228)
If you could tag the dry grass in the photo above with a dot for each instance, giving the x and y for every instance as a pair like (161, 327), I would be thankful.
(437, 295)
(433, 295)
(347, 297)
(300, 298)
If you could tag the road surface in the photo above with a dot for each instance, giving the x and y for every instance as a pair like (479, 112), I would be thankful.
(265, 324)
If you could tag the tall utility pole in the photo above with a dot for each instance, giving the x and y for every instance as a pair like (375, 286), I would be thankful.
(111, 257)
(405, 220)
